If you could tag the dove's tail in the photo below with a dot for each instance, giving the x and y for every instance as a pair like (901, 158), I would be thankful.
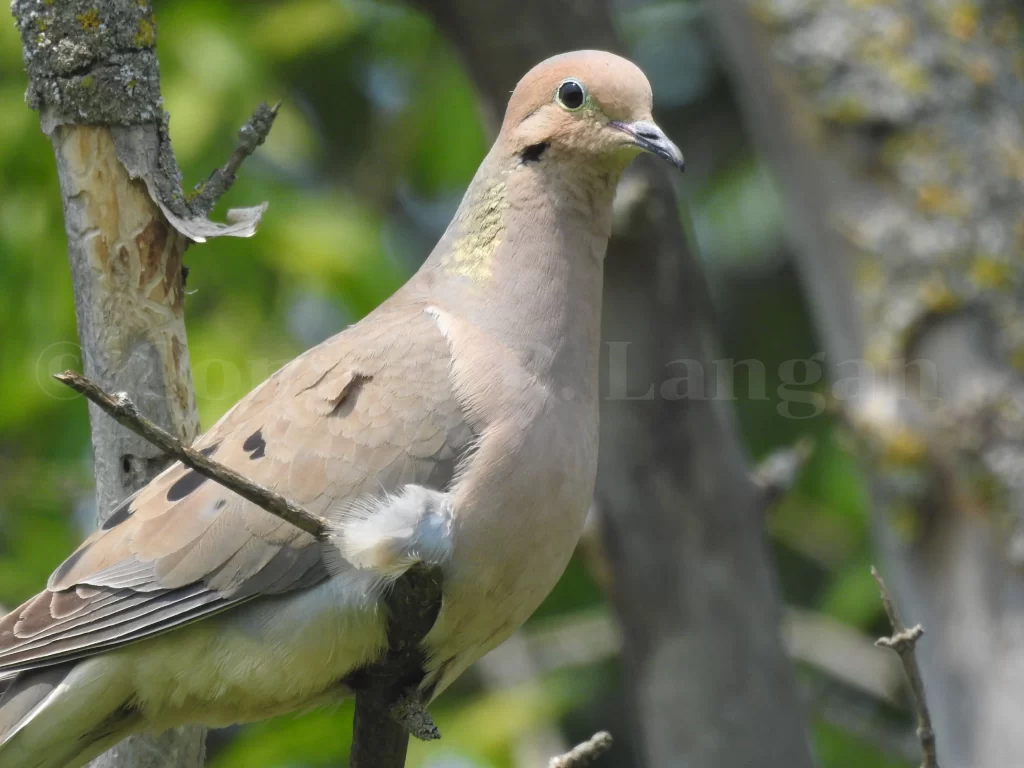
(62, 716)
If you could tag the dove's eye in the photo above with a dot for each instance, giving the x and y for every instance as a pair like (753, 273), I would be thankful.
(571, 95)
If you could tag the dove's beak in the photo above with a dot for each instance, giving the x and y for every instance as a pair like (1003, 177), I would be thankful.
(650, 138)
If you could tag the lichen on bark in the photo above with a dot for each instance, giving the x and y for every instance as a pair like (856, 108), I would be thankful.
(925, 100)
(94, 78)
(895, 131)
(93, 62)
(90, 61)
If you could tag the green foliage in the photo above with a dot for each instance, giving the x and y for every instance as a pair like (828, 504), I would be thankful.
(378, 134)
(838, 749)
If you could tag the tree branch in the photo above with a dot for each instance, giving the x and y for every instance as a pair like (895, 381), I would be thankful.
(388, 704)
(860, 154)
(250, 137)
(93, 76)
(123, 411)
(903, 641)
(585, 753)
(779, 471)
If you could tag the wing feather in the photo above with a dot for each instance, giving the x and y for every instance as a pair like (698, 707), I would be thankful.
(363, 413)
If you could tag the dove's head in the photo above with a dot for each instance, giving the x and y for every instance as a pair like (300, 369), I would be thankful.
(586, 103)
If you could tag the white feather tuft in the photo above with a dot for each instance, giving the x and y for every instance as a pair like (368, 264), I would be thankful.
(392, 532)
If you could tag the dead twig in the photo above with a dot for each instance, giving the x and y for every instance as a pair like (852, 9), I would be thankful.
(387, 709)
(903, 641)
(585, 753)
(123, 411)
(250, 136)
(779, 471)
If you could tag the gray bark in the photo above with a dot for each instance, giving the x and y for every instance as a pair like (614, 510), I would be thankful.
(692, 584)
(896, 134)
(709, 679)
(93, 76)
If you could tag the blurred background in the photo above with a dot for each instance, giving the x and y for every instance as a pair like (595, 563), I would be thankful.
(816, 133)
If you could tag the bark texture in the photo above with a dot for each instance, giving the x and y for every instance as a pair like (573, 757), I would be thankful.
(692, 582)
(695, 593)
(126, 271)
(93, 76)
(896, 133)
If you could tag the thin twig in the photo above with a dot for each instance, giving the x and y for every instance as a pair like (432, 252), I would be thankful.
(585, 753)
(123, 411)
(777, 474)
(386, 711)
(904, 642)
(250, 136)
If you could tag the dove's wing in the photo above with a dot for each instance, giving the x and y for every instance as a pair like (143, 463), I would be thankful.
(364, 413)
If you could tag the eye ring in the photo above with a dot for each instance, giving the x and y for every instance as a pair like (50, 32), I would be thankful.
(571, 95)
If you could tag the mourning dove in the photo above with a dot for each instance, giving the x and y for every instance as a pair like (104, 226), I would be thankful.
(456, 425)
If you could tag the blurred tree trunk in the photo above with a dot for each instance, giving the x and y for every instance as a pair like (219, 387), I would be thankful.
(93, 77)
(709, 681)
(896, 135)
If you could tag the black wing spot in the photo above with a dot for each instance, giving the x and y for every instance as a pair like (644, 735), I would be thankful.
(119, 515)
(255, 445)
(533, 153)
(185, 485)
(65, 568)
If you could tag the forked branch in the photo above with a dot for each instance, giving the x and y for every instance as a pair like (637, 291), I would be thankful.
(904, 641)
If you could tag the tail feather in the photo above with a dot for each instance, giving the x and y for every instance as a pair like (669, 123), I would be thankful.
(61, 717)
(23, 694)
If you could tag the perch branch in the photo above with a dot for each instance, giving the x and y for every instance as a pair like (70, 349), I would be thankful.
(123, 411)
(387, 706)
(250, 136)
(904, 641)
(585, 753)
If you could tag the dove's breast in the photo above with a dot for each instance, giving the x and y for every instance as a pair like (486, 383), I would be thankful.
(520, 499)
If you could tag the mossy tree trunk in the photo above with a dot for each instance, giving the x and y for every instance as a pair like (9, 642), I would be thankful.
(94, 78)
(896, 131)
(708, 679)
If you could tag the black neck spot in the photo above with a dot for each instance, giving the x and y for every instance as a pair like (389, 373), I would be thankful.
(533, 153)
